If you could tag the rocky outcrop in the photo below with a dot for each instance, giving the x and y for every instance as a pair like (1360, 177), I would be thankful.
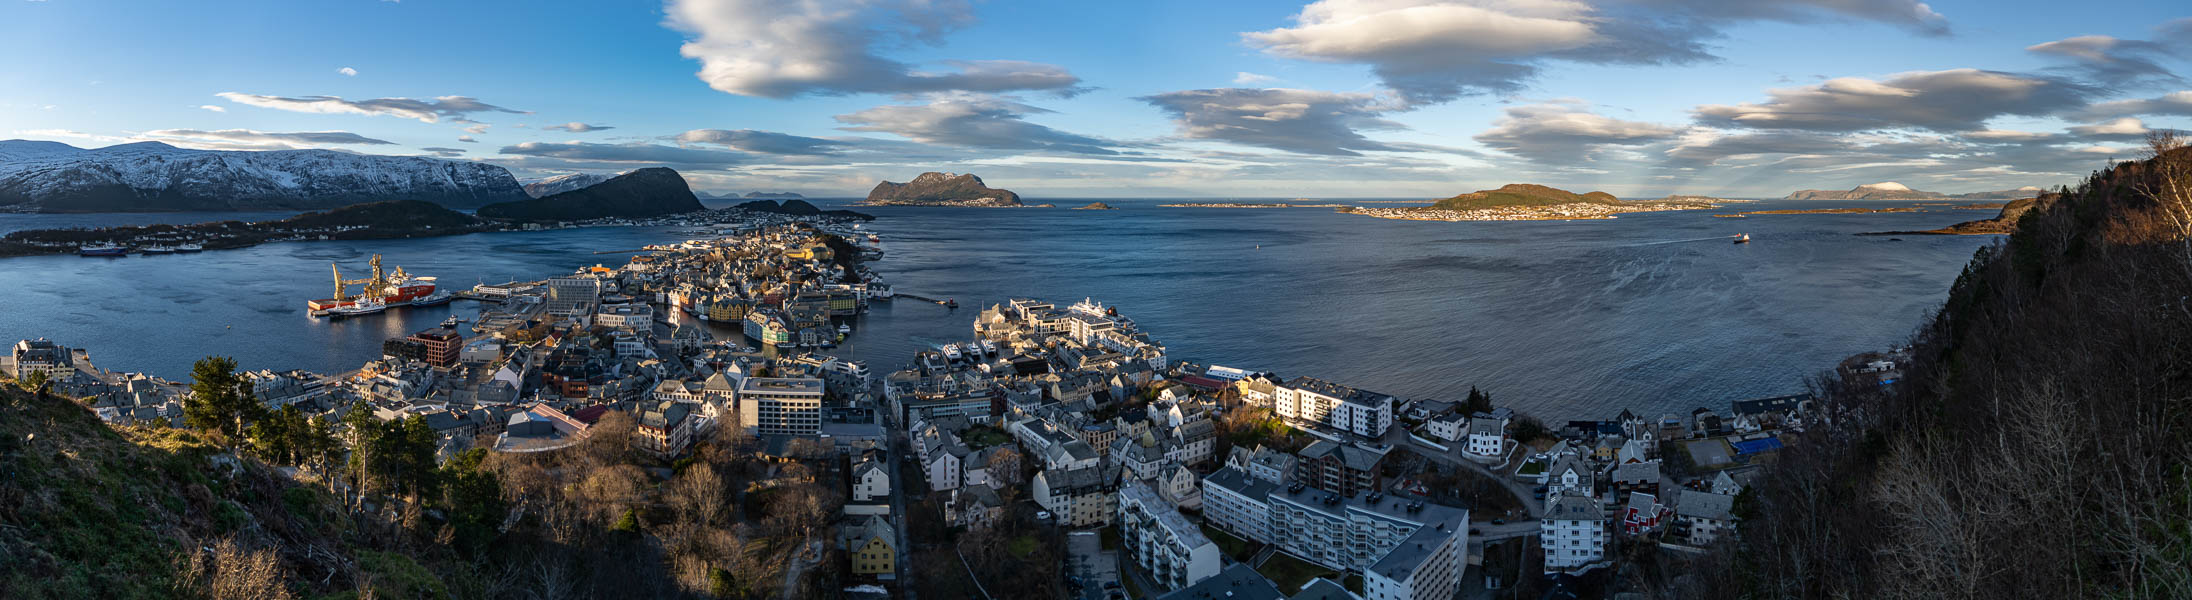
(646, 192)
(1095, 206)
(941, 189)
(1522, 194)
(152, 176)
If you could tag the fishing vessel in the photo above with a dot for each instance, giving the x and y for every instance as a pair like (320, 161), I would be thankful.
(1742, 238)
(102, 250)
(380, 292)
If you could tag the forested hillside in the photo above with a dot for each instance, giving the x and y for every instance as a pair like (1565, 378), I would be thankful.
(2038, 444)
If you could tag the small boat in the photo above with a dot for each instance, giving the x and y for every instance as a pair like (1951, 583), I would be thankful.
(1742, 238)
(156, 249)
(950, 303)
(844, 329)
(102, 250)
(187, 248)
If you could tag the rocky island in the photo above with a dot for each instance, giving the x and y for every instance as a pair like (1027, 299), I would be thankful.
(798, 208)
(1526, 202)
(775, 195)
(941, 189)
(1096, 206)
(649, 192)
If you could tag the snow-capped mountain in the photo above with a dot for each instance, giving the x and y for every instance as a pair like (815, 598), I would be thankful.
(551, 186)
(152, 176)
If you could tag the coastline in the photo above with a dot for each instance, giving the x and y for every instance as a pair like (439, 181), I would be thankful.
(1573, 211)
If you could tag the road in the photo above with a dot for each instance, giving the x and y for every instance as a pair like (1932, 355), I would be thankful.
(1398, 436)
(893, 455)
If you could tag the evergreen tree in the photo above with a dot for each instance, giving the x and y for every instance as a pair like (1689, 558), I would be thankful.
(220, 400)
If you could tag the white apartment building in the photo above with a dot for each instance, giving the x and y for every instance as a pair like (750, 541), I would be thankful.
(780, 405)
(1170, 549)
(1487, 437)
(1574, 532)
(1311, 400)
(1405, 550)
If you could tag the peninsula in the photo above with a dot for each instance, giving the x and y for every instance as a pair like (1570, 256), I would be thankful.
(1889, 190)
(2004, 223)
(1528, 202)
(1249, 205)
(941, 189)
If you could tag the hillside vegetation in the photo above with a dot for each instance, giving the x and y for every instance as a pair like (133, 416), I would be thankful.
(2038, 443)
(1522, 194)
(92, 511)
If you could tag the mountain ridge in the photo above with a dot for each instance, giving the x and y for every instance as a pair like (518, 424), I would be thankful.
(40, 176)
(649, 192)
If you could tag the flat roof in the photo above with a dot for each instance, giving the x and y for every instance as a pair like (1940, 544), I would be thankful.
(781, 385)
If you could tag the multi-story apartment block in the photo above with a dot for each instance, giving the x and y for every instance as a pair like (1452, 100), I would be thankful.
(780, 405)
(1405, 550)
(1168, 548)
(1307, 400)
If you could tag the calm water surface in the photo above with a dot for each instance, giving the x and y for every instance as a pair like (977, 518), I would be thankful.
(1658, 312)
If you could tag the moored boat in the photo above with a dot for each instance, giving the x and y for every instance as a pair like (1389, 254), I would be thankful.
(102, 250)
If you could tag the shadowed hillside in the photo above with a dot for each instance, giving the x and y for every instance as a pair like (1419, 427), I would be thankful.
(2038, 444)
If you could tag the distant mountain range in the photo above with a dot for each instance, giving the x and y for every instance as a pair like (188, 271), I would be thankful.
(53, 177)
(1522, 194)
(1889, 190)
(563, 183)
(941, 189)
(648, 192)
(775, 195)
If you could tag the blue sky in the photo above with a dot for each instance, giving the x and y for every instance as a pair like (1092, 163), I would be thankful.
(1380, 98)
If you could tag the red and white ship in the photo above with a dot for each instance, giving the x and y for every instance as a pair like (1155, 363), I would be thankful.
(382, 291)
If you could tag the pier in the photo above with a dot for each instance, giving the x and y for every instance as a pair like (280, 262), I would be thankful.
(922, 298)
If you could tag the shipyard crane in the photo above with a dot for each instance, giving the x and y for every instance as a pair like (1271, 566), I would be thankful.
(376, 287)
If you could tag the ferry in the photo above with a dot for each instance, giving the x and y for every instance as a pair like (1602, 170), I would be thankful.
(1742, 238)
(951, 351)
(102, 250)
(989, 347)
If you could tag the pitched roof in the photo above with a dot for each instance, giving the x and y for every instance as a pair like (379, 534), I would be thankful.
(1704, 505)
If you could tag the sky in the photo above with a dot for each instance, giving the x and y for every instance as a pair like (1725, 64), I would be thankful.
(1125, 98)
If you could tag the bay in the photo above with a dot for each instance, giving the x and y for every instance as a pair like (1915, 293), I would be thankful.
(1655, 312)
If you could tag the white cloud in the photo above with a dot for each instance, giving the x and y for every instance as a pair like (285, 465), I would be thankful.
(1304, 121)
(1437, 50)
(2124, 128)
(973, 121)
(1951, 100)
(576, 127)
(347, 72)
(478, 128)
(456, 108)
(766, 142)
(247, 136)
(1566, 132)
(218, 109)
(1247, 78)
(776, 49)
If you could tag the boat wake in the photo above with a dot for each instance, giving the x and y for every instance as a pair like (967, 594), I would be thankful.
(1717, 238)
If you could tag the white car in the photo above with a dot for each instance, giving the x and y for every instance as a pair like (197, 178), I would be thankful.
(1042, 514)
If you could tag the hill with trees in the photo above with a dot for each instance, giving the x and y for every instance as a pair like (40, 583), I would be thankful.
(1522, 194)
(2038, 443)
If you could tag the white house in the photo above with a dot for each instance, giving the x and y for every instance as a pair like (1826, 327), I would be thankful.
(1449, 427)
(1487, 437)
(869, 481)
(1569, 474)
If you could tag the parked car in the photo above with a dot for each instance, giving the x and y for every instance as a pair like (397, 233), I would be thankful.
(1042, 514)
(1499, 521)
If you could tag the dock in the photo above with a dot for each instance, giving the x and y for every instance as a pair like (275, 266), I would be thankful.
(920, 298)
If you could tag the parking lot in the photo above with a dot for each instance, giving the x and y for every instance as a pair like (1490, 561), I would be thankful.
(1097, 569)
